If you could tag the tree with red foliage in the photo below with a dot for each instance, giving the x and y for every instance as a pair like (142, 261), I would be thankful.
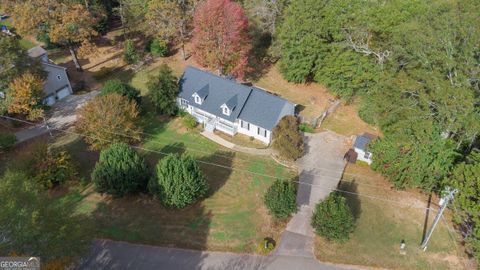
(220, 36)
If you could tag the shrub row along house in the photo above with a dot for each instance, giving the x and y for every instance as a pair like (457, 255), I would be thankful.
(57, 85)
(220, 103)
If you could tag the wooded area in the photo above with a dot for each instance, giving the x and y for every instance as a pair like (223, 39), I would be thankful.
(414, 67)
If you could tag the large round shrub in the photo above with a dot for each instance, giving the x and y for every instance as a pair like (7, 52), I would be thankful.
(179, 181)
(120, 171)
(121, 88)
(333, 218)
(280, 199)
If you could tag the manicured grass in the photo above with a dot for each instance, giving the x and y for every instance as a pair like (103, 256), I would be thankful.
(232, 217)
(381, 225)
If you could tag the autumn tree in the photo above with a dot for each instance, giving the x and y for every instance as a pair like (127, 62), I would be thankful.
(68, 25)
(15, 61)
(26, 94)
(108, 119)
(169, 21)
(220, 36)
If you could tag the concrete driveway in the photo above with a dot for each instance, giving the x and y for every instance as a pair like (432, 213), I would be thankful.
(107, 254)
(320, 171)
(61, 115)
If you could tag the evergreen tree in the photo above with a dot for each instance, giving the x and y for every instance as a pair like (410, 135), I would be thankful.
(333, 218)
(130, 54)
(120, 171)
(121, 88)
(287, 139)
(163, 91)
(33, 224)
(179, 181)
(280, 199)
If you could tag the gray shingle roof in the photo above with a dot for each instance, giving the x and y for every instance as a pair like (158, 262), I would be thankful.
(232, 103)
(265, 110)
(361, 142)
(251, 104)
(36, 52)
(57, 78)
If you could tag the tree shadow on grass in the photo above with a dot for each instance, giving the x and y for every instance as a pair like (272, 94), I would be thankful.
(353, 199)
(142, 219)
(259, 60)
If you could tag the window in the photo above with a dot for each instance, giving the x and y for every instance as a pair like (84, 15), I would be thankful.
(59, 77)
(367, 155)
(245, 125)
(262, 132)
(198, 100)
(226, 111)
(183, 101)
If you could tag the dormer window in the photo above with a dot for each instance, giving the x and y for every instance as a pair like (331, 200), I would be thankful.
(198, 100)
(226, 111)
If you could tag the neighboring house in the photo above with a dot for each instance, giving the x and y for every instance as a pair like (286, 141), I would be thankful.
(57, 85)
(361, 146)
(222, 104)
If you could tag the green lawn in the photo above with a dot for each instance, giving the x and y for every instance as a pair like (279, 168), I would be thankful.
(231, 218)
(381, 225)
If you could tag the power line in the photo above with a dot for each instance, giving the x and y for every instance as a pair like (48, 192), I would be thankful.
(231, 168)
(332, 178)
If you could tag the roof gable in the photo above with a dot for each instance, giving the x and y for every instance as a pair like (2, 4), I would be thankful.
(248, 103)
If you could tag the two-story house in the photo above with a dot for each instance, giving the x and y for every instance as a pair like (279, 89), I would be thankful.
(222, 104)
(57, 85)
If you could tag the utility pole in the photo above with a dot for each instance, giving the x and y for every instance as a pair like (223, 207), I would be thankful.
(443, 204)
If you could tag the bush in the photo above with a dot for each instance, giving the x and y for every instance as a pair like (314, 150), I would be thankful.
(189, 121)
(102, 26)
(158, 48)
(266, 245)
(280, 199)
(7, 140)
(333, 218)
(53, 168)
(120, 171)
(303, 127)
(287, 139)
(121, 88)
(178, 182)
(130, 54)
(45, 39)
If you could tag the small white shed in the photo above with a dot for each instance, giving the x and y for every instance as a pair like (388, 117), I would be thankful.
(361, 145)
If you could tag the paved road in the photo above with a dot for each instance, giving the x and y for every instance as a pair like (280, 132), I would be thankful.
(320, 170)
(107, 254)
(61, 115)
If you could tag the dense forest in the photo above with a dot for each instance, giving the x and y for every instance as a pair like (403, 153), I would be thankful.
(412, 66)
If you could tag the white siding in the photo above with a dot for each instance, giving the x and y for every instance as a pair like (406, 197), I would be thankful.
(253, 132)
(361, 155)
